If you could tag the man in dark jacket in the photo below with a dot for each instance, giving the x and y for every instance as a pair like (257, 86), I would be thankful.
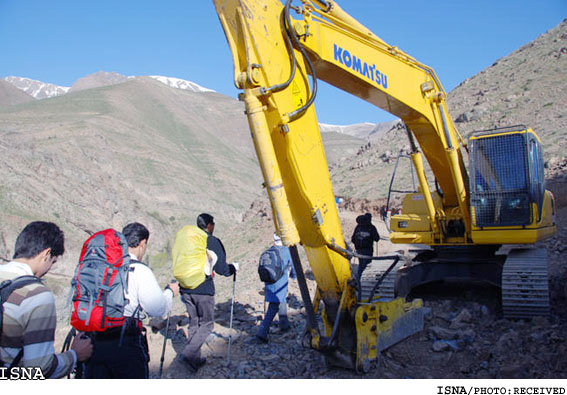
(363, 238)
(383, 213)
(200, 301)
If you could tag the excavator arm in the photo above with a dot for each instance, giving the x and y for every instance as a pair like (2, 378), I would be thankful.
(274, 54)
(272, 60)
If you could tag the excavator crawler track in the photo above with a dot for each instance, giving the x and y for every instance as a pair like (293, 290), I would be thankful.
(525, 284)
(372, 273)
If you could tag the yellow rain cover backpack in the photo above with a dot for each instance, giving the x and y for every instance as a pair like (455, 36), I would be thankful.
(189, 257)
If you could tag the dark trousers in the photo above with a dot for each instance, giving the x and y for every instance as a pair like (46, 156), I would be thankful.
(201, 321)
(273, 308)
(112, 360)
(362, 263)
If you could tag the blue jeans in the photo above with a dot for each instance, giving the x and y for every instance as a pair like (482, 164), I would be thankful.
(273, 308)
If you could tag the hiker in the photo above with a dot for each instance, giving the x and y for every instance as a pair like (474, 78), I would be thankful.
(29, 316)
(196, 255)
(276, 293)
(363, 238)
(122, 352)
(383, 213)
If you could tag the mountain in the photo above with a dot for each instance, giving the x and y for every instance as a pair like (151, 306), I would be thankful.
(134, 151)
(37, 89)
(339, 146)
(116, 149)
(526, 87)
(10, 95)
(364, 131)
(358, 130)
(98, 79)
(180, 84)
(120, 150)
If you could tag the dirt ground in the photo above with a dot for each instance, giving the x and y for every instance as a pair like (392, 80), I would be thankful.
(464, 336)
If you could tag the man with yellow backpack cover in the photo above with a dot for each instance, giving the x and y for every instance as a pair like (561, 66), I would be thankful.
(196, 256)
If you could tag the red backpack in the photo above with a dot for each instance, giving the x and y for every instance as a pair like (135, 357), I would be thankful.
(99, 282)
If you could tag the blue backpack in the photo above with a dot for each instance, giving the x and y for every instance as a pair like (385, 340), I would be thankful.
(271, 266)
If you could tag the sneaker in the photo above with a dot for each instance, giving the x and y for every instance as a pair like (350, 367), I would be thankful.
(201, 362)
(257, 340)
(192, 366)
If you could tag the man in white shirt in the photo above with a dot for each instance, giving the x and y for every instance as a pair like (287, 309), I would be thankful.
(123, 352)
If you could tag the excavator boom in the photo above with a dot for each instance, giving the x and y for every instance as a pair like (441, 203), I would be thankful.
(274, 54)
(272, 70)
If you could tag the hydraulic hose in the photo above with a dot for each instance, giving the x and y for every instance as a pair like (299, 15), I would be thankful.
(299, 112)
(293, 66)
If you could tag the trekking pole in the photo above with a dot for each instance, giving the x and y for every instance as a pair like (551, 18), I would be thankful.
(67, 344)
(163, 348)
(231, 313)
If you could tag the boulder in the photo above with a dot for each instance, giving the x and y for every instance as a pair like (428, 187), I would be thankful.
(439, 332)
(508, 341)
(440, 346)
(462, 319)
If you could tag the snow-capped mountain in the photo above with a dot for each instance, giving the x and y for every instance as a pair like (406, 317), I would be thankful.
(360, 130)
(43, 90)
(363, 130)
(180, 84)
(37, 89)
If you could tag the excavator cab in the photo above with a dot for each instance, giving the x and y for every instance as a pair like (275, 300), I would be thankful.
(506, 177)
(508, 206)
(507, 186)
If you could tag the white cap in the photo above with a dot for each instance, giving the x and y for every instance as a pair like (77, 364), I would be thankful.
(276, 237)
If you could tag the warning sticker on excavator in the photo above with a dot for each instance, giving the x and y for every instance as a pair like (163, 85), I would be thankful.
(296, 95)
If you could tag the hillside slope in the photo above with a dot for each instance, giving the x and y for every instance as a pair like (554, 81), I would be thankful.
(136, 151)
(10, 95)
(526, 87)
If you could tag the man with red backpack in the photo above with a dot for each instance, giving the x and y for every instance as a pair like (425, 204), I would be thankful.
(28, 315)
(122, 351)
(196, 254)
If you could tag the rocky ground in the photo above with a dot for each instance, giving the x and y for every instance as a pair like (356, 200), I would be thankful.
(465, 335)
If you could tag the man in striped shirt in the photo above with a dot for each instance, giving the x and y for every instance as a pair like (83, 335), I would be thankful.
(29, 318)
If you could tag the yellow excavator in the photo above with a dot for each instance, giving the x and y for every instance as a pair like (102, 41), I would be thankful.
(463, 222)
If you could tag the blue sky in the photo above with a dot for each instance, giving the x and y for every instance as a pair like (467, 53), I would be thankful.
(59, 41)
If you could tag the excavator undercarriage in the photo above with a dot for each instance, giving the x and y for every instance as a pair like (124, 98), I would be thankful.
(521, 273)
